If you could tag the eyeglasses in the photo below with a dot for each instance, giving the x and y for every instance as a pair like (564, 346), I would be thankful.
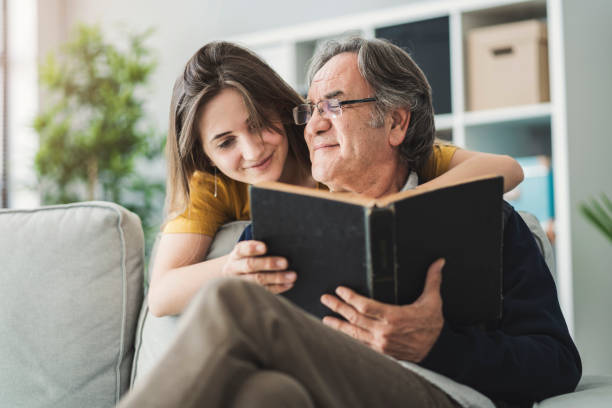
(328, 108)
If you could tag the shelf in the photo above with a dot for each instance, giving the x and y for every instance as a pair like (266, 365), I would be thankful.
(444, 121)
(504, 13)
(527, 113)
(519, 132)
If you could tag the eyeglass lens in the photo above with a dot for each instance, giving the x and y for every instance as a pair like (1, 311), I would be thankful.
(329, 108)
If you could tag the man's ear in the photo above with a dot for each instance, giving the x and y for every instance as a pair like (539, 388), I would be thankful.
(400, 119)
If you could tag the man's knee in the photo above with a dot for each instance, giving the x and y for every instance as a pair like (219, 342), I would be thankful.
(272, 389)
(230, 294)
(225, 287)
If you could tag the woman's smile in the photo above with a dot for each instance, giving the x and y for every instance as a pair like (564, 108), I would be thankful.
(261, 165)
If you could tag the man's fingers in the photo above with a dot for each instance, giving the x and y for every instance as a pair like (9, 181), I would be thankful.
(271, 278)
(362, 304)
(347, 311)
(433, 279)
(352, 330)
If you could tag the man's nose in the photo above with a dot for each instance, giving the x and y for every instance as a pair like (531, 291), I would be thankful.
(317, 124)
(252, 147)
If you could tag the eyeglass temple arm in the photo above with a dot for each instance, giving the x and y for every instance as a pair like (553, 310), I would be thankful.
(357, 101)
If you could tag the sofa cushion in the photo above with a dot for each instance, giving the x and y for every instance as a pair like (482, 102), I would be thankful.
(156, 333)
(593, 391)
(541, 240)
(70, 296)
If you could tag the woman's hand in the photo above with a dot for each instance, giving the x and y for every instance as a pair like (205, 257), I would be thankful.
(246, 261)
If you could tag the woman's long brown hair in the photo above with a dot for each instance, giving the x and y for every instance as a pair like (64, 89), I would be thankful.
(267, 97)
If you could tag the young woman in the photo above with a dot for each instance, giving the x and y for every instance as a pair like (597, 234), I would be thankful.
(231, 125)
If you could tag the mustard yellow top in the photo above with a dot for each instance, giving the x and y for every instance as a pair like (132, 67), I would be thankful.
(206, 213)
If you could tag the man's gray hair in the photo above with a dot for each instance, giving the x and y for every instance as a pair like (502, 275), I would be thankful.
(397, 83)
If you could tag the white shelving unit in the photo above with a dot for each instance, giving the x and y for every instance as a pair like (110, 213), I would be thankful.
(540, 129)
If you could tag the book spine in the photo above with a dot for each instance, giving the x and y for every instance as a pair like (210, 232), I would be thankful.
(380, 254)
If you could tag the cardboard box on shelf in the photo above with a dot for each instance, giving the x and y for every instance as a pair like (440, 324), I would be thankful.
(508, 65)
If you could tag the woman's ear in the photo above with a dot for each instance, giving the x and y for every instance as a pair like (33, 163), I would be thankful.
(400, 119)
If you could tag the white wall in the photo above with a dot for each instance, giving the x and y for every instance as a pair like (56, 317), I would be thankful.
(589, 89)
(184, 26)
(22, 102)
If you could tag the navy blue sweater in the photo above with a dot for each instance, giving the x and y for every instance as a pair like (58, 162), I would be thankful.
(528, 355)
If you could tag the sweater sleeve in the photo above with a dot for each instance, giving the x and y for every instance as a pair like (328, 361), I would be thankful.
(205, 211)
(529, 355)
(438, 162)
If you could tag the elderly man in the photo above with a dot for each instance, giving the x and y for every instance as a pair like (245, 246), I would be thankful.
(369, 128)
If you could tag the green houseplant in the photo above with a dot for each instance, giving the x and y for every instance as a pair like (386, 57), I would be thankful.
(599, 213)
(93, 136)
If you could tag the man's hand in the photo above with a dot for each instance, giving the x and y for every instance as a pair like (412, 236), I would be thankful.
(246, 262)
(405, 332)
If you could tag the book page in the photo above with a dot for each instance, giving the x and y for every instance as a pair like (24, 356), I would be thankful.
(353, 198)
(391, 198)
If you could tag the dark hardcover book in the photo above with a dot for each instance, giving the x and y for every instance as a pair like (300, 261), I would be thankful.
(382, 248)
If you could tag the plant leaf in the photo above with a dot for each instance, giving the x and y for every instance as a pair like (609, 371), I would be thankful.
(598, 215)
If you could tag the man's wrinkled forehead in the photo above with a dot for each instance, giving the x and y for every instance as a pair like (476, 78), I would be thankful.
(336, 77)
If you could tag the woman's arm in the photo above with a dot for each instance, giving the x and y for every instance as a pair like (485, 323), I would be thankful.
(176, 275)
(467, 164)
(179, 272)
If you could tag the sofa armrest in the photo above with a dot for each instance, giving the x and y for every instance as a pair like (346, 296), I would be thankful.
(155, 334)
(70, 295)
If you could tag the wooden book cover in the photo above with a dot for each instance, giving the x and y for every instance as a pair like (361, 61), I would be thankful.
(382, 248)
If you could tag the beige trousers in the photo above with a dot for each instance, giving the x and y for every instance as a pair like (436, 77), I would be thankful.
(240, 346)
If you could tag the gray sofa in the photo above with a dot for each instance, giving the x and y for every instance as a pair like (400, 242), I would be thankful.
(70, 300)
